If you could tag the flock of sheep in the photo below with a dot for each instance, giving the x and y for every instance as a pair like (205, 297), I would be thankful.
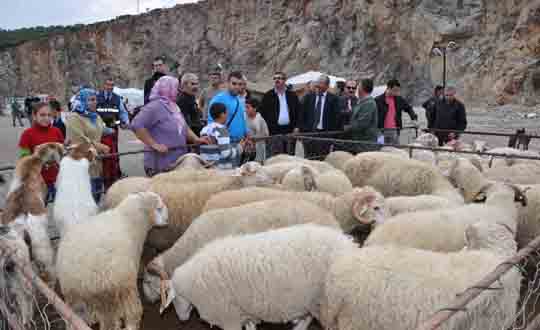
(376, 240)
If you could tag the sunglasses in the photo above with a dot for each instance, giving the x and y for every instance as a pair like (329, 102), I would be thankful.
(279, 78)
(350, 87)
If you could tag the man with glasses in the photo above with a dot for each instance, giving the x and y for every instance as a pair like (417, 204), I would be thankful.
(236, 119)
(280, 108)
(348, 101)
(159, 70)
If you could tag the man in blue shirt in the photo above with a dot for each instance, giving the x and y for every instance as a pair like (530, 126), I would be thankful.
(236, 121)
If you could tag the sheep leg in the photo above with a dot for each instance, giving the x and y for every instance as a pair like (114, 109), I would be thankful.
(303, 324)
(250, 326)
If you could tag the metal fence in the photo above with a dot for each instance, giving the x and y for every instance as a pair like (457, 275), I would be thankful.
(53, 313)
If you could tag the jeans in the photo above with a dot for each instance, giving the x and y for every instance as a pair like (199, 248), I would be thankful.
(97, 188)
(51, 194)
(391, 136)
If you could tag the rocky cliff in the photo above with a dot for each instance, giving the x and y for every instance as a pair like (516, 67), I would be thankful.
(497, 58)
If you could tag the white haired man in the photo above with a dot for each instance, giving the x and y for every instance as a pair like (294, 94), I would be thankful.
(187, 102)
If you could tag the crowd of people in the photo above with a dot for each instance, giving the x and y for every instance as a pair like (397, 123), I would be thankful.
(223, 119)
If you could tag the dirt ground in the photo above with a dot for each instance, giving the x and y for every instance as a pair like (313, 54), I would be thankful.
(498, 120)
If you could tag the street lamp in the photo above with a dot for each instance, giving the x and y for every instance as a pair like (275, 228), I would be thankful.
(441, 51)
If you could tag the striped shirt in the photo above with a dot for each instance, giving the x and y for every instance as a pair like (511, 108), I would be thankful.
(227, 155)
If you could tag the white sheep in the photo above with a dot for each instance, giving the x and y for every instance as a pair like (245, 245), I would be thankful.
(275, 276)
(74, 201)
(307, 178)
(246, 219)
(395, 176)
(509, 161)
(363, 206)
(338, 158)
(98, 260)
(442, 230)
(190, 160)
(392, 287)
(186, 201)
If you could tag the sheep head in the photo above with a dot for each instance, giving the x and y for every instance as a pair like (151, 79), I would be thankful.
(181, 305)
(49, 152)
(191, 160)
(253, 174)
(366, 208)
(82, 150)
(154, 280)
(485, 192)
(159, 213)
(428, 140)
(12, 281)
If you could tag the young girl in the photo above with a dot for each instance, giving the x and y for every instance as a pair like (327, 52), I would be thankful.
(41, 132)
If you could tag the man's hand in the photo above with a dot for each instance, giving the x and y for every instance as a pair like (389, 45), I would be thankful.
(102, 149)
(203, 140)
(296, 131)
(161, 148)
(415, 124)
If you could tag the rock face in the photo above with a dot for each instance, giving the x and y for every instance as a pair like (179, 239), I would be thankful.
(497, 58)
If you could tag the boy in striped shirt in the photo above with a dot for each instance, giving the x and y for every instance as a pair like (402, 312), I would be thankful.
(227, 155)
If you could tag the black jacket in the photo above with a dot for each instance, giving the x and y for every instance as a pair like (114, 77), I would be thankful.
(188, 104)
(430, 106)
(269, 110)
(450, 115)
(401, 105)
(331, 113)
(345, 115)
(149, 83)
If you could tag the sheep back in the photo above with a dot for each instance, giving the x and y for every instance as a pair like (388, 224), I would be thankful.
(275, 276)
(184, 202)
(122, 188)
(338, 159)
(409, 285)
(246, 219)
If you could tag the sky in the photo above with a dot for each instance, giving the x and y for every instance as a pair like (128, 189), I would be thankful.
(27, 13)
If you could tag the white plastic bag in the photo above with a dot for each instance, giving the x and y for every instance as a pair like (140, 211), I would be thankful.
(380, 139)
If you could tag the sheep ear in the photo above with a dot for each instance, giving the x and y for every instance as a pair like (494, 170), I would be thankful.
(170, 295)
(480, 197)
(519, 195)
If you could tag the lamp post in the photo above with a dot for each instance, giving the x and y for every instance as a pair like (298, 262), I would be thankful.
(441, 51)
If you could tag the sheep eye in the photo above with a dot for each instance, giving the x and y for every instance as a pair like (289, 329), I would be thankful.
(377, 208)
(9, 267)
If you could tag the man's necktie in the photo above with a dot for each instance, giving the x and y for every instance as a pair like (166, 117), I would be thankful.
(317, 111)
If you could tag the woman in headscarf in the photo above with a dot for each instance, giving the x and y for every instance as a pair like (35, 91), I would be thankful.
(85, 125)
(161, 126)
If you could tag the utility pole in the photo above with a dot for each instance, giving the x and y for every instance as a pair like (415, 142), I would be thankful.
(138, 6)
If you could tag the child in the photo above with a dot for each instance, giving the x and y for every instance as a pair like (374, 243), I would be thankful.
(226, 154)
(56, 110)
(257, 126)
(42, 132)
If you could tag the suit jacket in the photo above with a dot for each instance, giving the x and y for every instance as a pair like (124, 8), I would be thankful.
(401, 105)
(270, 109)
(331, 113)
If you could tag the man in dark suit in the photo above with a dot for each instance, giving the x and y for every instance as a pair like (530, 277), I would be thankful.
(159, 71)
(321, 112)
(280, 108)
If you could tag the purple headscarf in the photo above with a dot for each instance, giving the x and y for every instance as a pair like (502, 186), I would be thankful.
(165, 90)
